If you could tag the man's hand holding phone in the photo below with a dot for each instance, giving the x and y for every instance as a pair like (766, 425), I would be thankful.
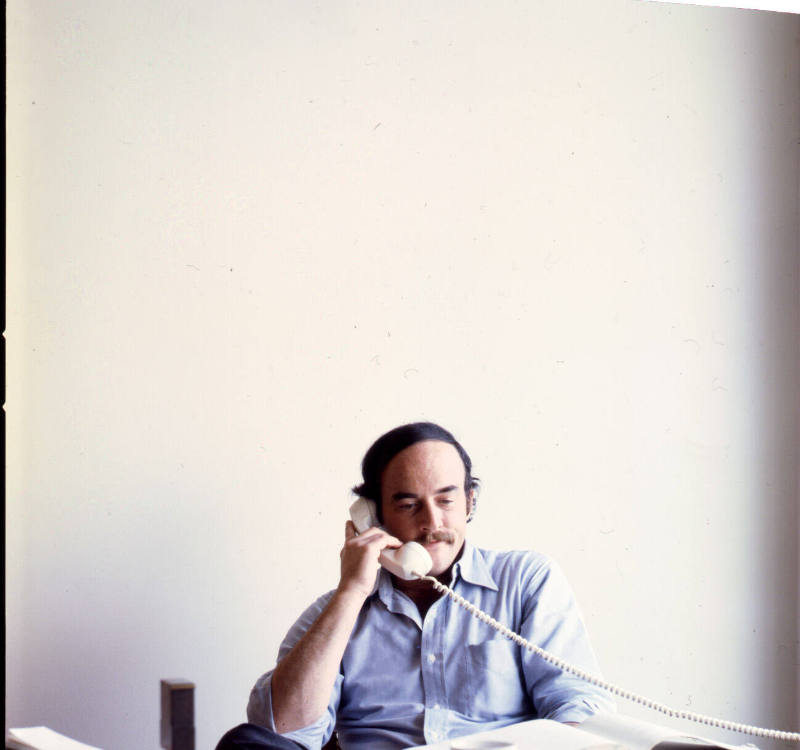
(302, 682)
(359, 558)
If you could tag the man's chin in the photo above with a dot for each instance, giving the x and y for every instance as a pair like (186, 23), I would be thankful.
(443, 555)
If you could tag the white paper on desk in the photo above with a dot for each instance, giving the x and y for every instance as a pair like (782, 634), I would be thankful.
(642, 735)
(537, 734)
(42, 738)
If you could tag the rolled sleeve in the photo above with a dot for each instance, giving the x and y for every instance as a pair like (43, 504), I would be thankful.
(313, 736)
(259, 707)
(580, 711)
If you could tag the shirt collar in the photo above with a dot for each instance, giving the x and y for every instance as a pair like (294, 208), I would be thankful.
(383, 586)
(472, 568)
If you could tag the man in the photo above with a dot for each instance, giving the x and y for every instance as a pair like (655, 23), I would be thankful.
(390, 663)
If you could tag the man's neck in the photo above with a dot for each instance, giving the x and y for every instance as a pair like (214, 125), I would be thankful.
(421, 593)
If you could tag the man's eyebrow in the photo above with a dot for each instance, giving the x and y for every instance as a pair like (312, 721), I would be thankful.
(411, 496)
(444, 490)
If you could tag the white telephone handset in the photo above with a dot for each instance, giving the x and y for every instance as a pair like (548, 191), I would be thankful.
(407, 562)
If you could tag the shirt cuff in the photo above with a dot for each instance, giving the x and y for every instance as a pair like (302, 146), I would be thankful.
(581, 710)
(259, 711)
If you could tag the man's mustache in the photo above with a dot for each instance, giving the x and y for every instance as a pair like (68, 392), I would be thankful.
(442, 535)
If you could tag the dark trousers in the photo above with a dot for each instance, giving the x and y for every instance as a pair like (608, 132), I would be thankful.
(254, 737)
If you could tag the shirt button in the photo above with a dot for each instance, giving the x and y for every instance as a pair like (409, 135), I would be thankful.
(431, 658)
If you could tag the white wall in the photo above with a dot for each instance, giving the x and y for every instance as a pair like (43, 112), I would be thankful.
(246, 238)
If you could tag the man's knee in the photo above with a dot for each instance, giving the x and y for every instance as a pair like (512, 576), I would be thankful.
(254, 737)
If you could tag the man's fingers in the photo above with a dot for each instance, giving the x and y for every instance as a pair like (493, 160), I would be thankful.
(392, 541)
(380, 539)
(372, 536)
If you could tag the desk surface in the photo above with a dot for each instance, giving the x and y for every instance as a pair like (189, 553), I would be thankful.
(527, 735)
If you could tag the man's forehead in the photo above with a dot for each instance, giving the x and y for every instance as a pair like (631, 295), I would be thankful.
(427, 457)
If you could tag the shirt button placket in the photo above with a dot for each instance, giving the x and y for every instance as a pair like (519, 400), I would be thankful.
(433, 680)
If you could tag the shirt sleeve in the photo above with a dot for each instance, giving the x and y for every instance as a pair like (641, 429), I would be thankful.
(259, 707)
(552, 621)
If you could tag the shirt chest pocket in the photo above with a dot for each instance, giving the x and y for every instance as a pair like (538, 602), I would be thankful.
(494, 680)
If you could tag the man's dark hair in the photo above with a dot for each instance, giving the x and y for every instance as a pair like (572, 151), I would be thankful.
(387, 446)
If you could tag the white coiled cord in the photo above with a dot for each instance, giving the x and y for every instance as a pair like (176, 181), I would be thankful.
(774, 734)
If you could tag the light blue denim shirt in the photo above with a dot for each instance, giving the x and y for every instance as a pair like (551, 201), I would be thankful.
(406, 681)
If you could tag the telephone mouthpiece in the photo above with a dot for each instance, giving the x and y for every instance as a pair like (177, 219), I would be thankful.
(408, 562)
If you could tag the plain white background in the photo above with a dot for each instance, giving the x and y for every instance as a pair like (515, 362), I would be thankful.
(245, 239)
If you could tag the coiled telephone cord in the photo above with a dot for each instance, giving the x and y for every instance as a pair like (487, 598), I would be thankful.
(641, 700)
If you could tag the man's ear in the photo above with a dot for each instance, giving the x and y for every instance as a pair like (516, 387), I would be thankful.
(472, 501)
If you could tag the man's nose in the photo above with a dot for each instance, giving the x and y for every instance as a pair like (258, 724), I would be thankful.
(430, 517)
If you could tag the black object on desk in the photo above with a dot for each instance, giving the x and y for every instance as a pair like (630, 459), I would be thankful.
(177, 714)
